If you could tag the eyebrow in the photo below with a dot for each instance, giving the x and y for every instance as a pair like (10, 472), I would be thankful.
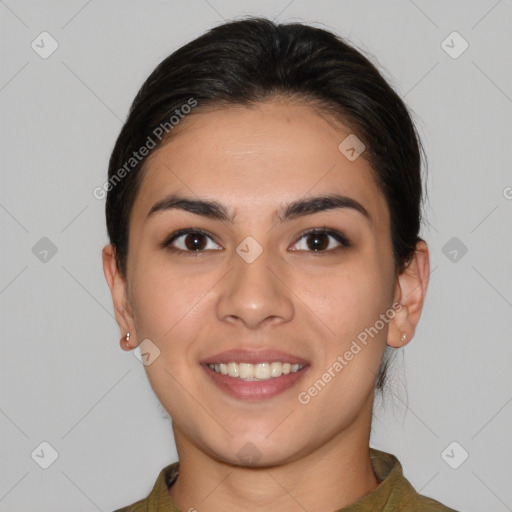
(299, 208)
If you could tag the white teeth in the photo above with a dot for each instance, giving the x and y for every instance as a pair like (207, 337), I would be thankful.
(262, 371)
(232, 369)
(275, 369)
(259, 371)
(246, 370)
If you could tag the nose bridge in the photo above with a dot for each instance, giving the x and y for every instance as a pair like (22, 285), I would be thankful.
(253, 291)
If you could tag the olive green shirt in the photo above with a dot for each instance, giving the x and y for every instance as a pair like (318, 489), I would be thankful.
(394, 492)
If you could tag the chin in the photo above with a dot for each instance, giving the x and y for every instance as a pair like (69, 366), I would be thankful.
(253, 453)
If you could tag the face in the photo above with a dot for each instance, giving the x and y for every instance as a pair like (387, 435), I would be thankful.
(247, 276)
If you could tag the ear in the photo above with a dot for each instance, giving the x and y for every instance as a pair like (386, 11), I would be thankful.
(118, 289)
(410, 290)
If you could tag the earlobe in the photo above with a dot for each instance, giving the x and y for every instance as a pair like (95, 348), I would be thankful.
(125, 343)
(118, 289)
(410, 291)
(399, 332)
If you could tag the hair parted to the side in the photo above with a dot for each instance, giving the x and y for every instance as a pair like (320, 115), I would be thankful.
(252, 60)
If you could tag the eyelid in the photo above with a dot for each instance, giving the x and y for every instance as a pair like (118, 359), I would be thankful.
(324, 230)
(334, 233)
(167, 243)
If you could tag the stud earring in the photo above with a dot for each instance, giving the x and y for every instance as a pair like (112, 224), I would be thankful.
(126, 341)
(403, 337)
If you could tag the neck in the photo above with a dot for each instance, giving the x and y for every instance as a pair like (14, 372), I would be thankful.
(329, 478)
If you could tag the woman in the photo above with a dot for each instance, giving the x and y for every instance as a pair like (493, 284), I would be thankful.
(263, 210)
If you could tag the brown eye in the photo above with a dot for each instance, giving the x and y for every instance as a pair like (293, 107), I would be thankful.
(317, 241)
(195, 242)
(321, 240)
(191, 241)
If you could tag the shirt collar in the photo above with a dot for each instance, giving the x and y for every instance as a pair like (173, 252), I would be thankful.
(394, 489)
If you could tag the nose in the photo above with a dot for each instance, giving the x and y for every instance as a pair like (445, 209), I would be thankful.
(255, 294)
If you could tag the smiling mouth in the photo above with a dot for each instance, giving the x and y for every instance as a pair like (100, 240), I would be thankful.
(255, 372)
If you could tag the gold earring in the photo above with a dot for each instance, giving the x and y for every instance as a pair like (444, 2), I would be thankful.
(126, 341)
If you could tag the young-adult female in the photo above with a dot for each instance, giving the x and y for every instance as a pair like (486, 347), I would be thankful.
(264, 214)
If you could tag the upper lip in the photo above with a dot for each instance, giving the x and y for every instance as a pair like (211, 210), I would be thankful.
(253, 356)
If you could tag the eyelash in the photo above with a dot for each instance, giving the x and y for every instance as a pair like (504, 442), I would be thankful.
(338, 236)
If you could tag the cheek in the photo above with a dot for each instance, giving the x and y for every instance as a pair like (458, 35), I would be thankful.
(164, 299)
(349, 301)
(351, 305)
(170, 312)
(348, 298)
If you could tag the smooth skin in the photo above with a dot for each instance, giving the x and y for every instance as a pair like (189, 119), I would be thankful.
(309, 303)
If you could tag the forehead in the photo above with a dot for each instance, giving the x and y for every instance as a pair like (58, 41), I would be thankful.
(258, 157)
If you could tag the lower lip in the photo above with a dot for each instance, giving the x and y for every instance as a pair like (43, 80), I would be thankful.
(253, 389)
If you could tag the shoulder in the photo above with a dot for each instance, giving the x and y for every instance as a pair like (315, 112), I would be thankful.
(422, 503)
(136, 507)
(158, 499)
(395, 492)
(139, 506)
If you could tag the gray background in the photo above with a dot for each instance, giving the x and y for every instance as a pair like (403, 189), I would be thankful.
(64, 378)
